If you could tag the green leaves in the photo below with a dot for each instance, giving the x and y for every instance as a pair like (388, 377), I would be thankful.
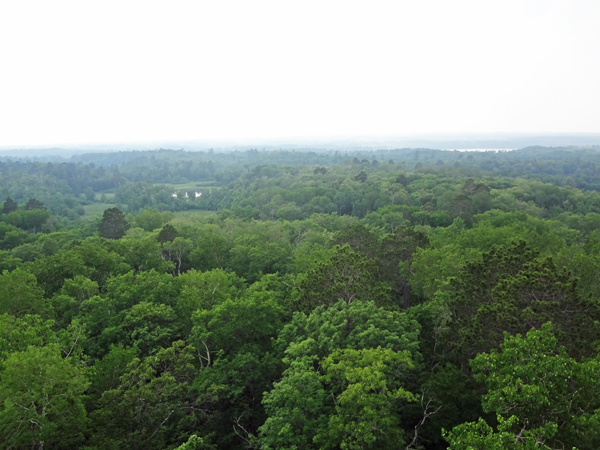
(238, 324)
(365, 352)
(151, 219)
(367, 409)
(480, 436)
(346, 276)
(543, 398)
(356, 325)
(42, 398)
(233, 339)
(18, 333)
(113, 224)
(297, 407)
(152, 403)
(512, 290)
(20, 294)
(9, 206)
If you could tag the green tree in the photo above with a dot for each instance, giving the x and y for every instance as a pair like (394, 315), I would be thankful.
(361, 177)
(143, 253)
(194, 443)
(212, 250)
(107, 372)
(20, 295)
(18, 333)
(32, 203)
(9, 206)
(369, 385)
(345, 275)
(234, 345)
(11, 236)
(152, 407)
(512, 289)
(67, 301)
(151, 219)
(176, 251)
(89, 193)
(395, 258)
(8, 261)
(542, 397)
(33, 219)
(134, 309)
(113, 224)
(203, 291)
(146, 327)
(167, 234)
(360, 238)
(52, 271)
(300, 405)
(42, 400)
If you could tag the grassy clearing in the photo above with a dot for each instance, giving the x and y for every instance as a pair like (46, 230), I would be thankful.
(95, 210)
(189, 217)
(107, 195)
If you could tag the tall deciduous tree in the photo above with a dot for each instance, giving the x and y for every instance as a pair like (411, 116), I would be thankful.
(543, 398)
(151, 408)
(42, 400)
(369, 388)
(151, 219)
(20, 294)
(302, 404)
(395, 259)
(346, 275)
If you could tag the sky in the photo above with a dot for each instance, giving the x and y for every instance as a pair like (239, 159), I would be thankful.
(127, 70)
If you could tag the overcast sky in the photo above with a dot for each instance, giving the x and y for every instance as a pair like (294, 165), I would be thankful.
(108, 71)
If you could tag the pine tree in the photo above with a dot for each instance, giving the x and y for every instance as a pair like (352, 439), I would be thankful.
(33, 204)
(113, 224)
(9, 206)
(167, 234)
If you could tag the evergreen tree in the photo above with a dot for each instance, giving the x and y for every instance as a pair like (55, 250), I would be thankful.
(113, 224)
(167, 234)
(9, 206)
(33, 204)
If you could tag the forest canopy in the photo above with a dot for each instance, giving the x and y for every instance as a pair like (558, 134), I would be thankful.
(390, 299)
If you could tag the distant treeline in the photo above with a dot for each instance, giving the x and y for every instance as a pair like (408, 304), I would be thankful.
(66, 185)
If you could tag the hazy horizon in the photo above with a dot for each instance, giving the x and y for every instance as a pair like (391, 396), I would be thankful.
(443, 141)
(77, 74)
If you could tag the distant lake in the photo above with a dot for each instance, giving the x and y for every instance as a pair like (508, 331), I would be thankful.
(479, 149)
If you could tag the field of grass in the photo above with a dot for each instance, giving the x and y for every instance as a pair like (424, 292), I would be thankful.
(189, 217)
(107, 195)
(95, 210)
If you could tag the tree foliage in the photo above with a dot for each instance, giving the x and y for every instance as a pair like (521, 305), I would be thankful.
(113, 224)
(301, 299)
(543, 398)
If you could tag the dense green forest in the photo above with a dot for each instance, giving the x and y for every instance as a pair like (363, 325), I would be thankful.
(390, 299)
